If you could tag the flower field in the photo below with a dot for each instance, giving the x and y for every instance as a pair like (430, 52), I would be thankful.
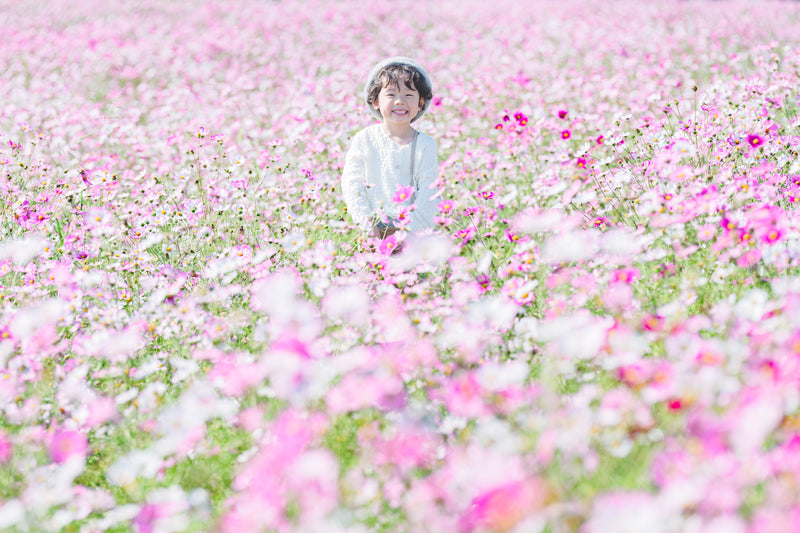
(603, 333)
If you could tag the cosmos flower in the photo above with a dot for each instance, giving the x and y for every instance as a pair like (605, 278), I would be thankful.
(402, 194)
(65, 444)
(755, 140)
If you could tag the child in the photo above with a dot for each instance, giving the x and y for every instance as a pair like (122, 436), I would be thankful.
(390, 165)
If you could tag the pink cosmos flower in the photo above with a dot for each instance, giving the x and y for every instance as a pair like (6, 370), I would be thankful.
(409, 449)
(653, 323)
(445, 207)
(503, 507)
(625, 275)
(771, 520)
(634, 375)
(402, 194)
(566, 134)
(388, 245)
(617, 297)
(65, 444)
(463, 396)
(706, 232)
(233, 377)
(101, 411)
(149, 514)
(749, 258)
(358, 391)
(404, 216)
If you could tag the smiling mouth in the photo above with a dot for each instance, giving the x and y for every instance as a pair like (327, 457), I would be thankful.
(400, 112)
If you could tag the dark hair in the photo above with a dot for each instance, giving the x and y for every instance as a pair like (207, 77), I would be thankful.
(392, 74)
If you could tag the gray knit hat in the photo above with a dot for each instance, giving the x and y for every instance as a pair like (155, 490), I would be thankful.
(398, 60)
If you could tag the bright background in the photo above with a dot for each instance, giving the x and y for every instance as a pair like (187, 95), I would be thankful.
(602, 335)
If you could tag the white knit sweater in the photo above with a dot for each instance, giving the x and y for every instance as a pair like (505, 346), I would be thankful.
(373, 168)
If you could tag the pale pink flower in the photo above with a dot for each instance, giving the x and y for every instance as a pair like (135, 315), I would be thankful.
(101, 411)
(65, 444)
(500, 509)
(463, 396)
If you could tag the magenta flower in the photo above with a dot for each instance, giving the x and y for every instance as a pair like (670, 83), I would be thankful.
(566, 134)
(772, 235)
(653, 323)
(754, 140)
(625, 275)
(5, 448)
(65, 444)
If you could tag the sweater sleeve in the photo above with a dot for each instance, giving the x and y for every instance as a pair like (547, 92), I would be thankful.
(354, 186)
(426, 179)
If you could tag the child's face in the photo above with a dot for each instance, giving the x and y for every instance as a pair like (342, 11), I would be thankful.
(399, 103)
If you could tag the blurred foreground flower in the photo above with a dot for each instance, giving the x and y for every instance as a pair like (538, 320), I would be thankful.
(500, 509)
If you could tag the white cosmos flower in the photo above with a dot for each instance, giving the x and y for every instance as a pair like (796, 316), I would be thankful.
(620, 178)
(537, 222)
(752, 305)
(23, 250)
(720, 274)
(621, 242)
(30, 319)
(12, 513)
(684, 148)
(495, 310)
(484, 263)
(561, 333)
(51, 484)
(293, 241)
(138, 463)
(347, 302)
(574, 245)
(494, 376)
(429, 251)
